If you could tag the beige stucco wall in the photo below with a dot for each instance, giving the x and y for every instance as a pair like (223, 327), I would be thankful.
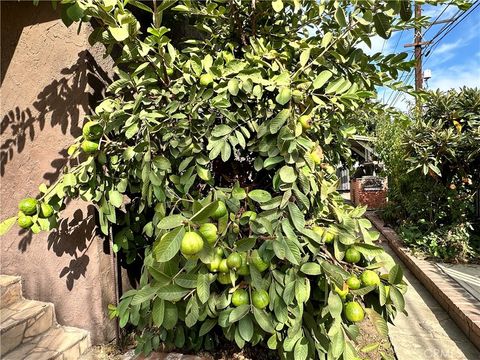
(49, 74)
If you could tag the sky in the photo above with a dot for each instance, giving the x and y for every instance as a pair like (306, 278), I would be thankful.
(454, 61)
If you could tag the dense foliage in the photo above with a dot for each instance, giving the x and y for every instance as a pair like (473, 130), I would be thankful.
(212, 163)
(434, 174)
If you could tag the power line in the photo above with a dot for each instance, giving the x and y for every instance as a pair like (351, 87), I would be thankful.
(436, 19)
(444, 31)
(465, 15)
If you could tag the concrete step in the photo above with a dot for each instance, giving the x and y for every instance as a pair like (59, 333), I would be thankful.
(23, 320)
(58, 343)
(10, 290)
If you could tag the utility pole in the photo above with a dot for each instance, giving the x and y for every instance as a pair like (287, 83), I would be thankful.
(417, 44)
(418, 50)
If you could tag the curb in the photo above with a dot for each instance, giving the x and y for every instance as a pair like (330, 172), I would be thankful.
(462, 307)
(161, 356)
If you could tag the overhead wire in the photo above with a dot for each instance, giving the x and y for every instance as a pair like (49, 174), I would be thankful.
(464, 16)
(444, 31)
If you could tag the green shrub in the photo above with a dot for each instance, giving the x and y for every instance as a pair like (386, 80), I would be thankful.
(433, 165)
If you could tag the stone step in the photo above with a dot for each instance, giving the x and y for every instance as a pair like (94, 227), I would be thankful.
(10, 290)
(23, 320)
(58, 343)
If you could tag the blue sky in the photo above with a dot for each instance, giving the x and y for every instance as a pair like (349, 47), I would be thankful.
(454, 61)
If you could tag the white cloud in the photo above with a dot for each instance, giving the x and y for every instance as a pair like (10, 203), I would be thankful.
(434, 11)
(456, 76)
(379, 44)
(448, 50)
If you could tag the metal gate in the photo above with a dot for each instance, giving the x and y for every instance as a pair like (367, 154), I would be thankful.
(343, 175)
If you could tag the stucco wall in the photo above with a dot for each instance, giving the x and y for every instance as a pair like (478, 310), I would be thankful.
(49, 77)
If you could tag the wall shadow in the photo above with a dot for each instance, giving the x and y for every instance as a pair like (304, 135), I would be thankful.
(73, 238)
(13, 21)
(58, 104)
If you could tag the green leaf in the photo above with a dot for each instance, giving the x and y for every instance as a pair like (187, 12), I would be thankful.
(170, 318)
(405, 10)
(340, 17)
(158, 311)
(203, 288)
(378, 322)
(161, 162)
(172, 221)
(115, 198)
(69, 180)
(283, 96)
(172, 292)
(279, 120)
(144, 294)
(221, 130)
(287, 174)
(397, 298)
(301, 349)
(205, 212)
(264, 320)
(187, 280)
(192, 312)
(370, 347)
(238, 313)
(335, 86)
(6, 225)
(296, 216)
(338, 344)
(335, 305)
(119, 33)
(321, 79)
(304, 56)
(233, 86)
(395, 275)
(245, 327)
(327, 38)
(74, 11)
(168, 245)
(368, 249)
(382, 24)
(311, 268)
(260, 196)
(207, 326)
(272, 342)
(141, 5)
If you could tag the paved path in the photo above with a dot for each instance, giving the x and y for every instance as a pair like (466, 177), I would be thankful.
(428, 333)
(467, 275)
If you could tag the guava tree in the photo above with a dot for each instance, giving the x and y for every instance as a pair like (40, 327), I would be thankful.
(213, 161)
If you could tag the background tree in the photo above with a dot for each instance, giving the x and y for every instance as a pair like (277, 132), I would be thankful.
(433, 164)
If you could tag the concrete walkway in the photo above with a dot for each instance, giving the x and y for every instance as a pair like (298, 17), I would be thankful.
(467, 275)
(428, 333)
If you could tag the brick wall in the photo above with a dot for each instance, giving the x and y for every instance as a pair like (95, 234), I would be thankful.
(361, 194)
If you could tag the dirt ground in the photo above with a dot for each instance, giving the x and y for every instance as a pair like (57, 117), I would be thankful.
(370, 346)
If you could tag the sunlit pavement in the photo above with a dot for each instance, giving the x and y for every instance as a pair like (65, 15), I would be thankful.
(467, 275)
(428, 332)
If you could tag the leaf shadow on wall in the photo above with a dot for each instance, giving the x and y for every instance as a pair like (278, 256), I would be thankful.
(58, 105)
(73, 237)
